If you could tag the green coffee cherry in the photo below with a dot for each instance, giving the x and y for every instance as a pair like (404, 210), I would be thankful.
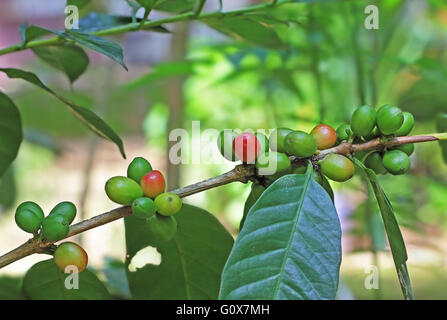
(337, 167)
(343, 132)
(163, 228)
(168, 204)
(407, 125)
(322, 181)
(263, 142)
(225, 144)
(138, 168)
(143, 208)
(361, 155)
(123, 190)
(29, 216)
(55, 227)
(407, 148)
(389, 119)
(300, 144)
(363, 120)
(271, 162)
(276, 139)
(396, 162)
(66, 209)
(374, 162)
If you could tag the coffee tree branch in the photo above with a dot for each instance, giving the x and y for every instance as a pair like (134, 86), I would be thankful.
(241, 173)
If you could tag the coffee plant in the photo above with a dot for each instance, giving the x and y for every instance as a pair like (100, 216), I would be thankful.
(289, 241)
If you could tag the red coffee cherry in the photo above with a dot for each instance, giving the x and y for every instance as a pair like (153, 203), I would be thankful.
(246, 147)
(153, 183)
(324, 135)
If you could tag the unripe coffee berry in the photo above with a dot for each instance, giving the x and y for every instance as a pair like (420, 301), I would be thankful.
(344, 132)
(66, 209)
(225, 144)
(276, 139)
(143, 208)
(168, 204)
(138, 168)
(396, 162)
(324, 135)
(246, 147)
(374, 162)
(29, 216)
(272, 162)
(389, 119)
(55, 228)
(69, 254)
(363, 120)
(153, 184)
(300, 144)
(337, 167)
(407, 125)
(123, 190)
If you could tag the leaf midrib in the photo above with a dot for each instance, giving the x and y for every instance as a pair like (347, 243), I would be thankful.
(289, 244)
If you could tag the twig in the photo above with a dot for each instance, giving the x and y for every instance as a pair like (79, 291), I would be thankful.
(240, 173)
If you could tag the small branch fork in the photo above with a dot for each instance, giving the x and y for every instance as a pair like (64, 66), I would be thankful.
(240, 173)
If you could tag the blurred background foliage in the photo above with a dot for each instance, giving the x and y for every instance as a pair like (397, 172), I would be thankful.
(295, 66)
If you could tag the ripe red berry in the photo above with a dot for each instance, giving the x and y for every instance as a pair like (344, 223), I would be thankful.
(324, 135)
(246, 147)
(153, 183)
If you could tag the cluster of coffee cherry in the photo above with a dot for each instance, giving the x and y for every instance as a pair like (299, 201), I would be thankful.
(366, 124)
(143, 190)
(30, 217)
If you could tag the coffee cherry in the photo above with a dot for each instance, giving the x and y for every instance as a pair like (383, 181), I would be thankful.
(163, 228)
(225, 144)
(337, 167)
(407, 125)
(407, 148)
(153, 184)
(55, 227)
(300, 144)
(123, 190)
(143, 208)
(361, 155)
(66, 209)
(168, 204)
(263, 142)
(374, 162)
(29, 216)
(396, 162)
(324, 135)
(343, 132)
(70, 254)
(246, 147)
(272, 162)
(389, 119)
(276, 139)
(363, 120)
(322, 181)
(138, 168)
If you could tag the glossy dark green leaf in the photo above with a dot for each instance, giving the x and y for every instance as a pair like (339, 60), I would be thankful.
(45, 281)
(11, 288)
(88, 117)
(251, 199)
(441, 126)
(29, 33)
(11, 133)
(101, 45)
(8, 189)
(393, 233)
(290, 246)
(191, 263)
(70, 59)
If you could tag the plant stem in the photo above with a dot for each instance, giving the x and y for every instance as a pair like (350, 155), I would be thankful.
(240, 173)
(134, 26)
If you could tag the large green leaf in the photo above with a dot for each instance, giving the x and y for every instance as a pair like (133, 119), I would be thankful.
(393, 233)
(88, 117)
(191, 263)
(11, 288)
(8, 189)
(11, 134)
(70, 59)
(290, 246)
(45, 281)
(28, 33)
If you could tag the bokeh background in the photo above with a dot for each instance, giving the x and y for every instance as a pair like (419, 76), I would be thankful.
(317, 70)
